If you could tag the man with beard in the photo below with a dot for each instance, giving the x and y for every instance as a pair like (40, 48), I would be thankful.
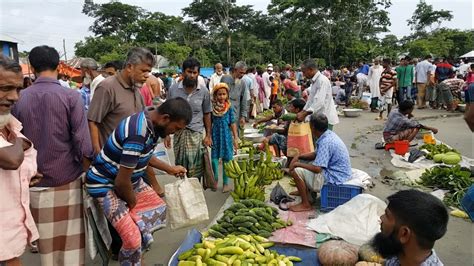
(17, 170)
(189, 143)
(116, 98)
(115, 177)
(412, 222)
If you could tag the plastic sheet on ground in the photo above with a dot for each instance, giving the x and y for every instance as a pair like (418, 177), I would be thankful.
(402, 161)
(309, 256)
(423, 163)
(298, 233)
(356, 221)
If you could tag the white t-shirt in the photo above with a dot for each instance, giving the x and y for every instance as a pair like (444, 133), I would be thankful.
(215, 79)
(95, 83)
(422, 69)
(320, 99)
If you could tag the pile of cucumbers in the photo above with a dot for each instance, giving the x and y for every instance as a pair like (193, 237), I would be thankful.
(235, 250)
(248, 217)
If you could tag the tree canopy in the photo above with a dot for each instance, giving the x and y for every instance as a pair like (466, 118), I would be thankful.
(337, 32)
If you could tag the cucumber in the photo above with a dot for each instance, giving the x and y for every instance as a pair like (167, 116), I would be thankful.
(215, 233)
(226, 225)
(246, 224)
(245, 230)
(264, 233)
(242, 219)
(186, 254)
(230, 251)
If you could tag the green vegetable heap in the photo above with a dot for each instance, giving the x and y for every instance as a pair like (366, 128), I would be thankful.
(248, 217)
(434, 149)
(235, 250)
(455, 179)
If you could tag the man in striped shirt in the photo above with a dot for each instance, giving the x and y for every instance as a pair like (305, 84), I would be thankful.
(115, 177)
(388, 83)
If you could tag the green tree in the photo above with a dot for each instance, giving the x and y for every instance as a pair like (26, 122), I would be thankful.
(219, 16)
(175, 53)
(113, 18)
(327, 27)
(155, 28)
(425, 17)
(97, 47)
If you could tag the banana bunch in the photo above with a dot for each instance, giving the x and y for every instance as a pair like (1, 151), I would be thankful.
(245, 187)
(250, 175)
(245, 144)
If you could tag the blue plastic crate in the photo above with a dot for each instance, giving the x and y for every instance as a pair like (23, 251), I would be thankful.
(335, 195)
(467, 203)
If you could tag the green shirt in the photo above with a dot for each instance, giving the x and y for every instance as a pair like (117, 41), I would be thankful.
(405, 76)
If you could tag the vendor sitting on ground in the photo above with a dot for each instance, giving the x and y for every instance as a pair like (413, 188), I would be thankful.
(278, 139)
(278, 111)
(331, 163)
(412, 223)
(401, 126)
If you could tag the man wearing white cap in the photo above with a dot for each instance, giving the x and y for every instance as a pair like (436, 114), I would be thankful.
(267, 85)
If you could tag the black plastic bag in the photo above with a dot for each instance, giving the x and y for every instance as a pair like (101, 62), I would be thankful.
(278, 194)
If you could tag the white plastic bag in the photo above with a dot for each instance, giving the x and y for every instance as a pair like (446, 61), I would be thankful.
(186, 203)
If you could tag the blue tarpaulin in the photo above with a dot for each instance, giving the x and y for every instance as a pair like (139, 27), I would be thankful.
(308, 255)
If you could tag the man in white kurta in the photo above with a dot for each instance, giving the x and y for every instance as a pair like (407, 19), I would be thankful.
(320, 98)
(375, 72)
(267, 86)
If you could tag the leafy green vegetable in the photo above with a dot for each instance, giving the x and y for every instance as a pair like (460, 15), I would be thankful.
(434, 149)
(455, 179)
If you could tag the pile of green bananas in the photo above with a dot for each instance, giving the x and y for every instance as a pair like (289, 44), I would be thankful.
(248, 217)
(245, 187)
(250, 175)
(235, 250)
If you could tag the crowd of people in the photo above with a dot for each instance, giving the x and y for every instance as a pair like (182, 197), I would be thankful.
(60, 145)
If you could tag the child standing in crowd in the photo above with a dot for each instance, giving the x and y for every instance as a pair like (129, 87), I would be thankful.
(274, 87)
(224, 132)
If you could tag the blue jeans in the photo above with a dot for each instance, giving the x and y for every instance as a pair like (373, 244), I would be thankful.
(404, 93)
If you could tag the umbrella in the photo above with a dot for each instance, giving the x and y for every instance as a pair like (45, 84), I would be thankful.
(470, 54)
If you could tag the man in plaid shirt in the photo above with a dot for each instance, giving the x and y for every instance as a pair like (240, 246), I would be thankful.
(400, 126)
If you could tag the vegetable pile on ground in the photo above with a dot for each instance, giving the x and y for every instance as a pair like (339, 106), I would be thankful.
(248, 217)
(435, 149)
(359, 104)
(235, 250)
(250, 176)
(455, 179)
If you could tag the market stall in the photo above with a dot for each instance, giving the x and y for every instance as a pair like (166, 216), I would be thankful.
(250, 229)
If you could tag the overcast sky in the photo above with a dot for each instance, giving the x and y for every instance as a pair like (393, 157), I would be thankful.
(38, 22)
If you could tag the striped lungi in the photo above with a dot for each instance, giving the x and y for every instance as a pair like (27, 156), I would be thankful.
(189, 152)
(58, 213)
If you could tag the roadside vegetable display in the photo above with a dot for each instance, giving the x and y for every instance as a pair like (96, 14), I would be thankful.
(235, 250)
